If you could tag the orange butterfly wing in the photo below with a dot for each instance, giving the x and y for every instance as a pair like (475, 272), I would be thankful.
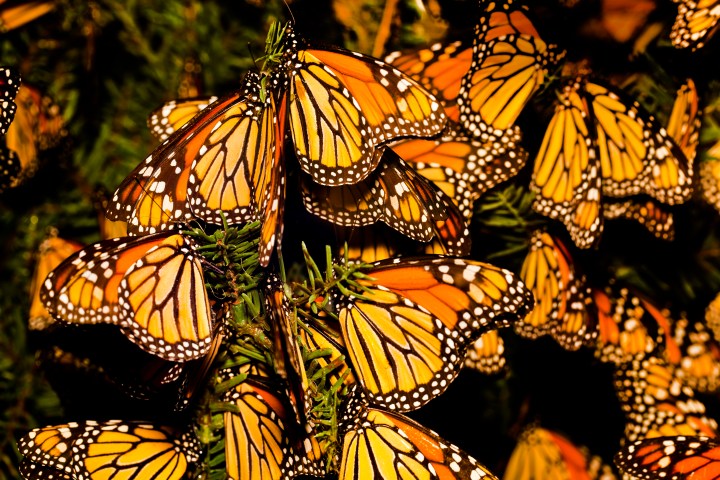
(439, 68)
(677, 457)
(344, 105)
(151, 287)
(656, 403)
(695, 23)
(382, 444)
(566, 174)
(51, 253)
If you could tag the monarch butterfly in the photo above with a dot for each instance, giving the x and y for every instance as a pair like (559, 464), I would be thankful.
(52, 251)
(463, 168)
(344, 105)
(695, 23)
(287, 356)
(14, 14)
(680, 457)
(397, 196)
(510, 62)
(543, 453)
(224, 165)
(683, 127)
(654, 216)
(190, 83)
(699, 366)
(159, 192)
(656, 403)
(407, 335)
(171, 116)
(630, 327)
(625, 154)
(486, 354)
(382, 444)
(111, 449)
(566, 175)
(561, 296)
(626, 22)
(439, 68)
(259, 441)
(644, 158)
(9, 85)
(684, 122)
(38, 126)
(152, 287)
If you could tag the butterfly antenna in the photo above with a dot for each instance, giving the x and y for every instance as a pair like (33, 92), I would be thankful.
(292, 17)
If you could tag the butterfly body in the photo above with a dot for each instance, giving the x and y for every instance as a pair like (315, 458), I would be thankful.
(287, 356)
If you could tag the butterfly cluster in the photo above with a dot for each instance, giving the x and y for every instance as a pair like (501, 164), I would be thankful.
(205, 304)
(222, 167)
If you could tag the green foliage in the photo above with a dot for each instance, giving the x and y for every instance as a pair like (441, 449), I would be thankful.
(26, 400)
